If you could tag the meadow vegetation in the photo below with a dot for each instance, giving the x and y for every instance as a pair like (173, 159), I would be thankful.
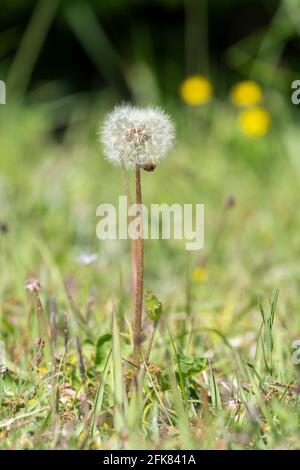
(220, 372)
(220, 363)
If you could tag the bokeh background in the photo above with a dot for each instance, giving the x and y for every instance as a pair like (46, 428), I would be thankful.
(123, 47)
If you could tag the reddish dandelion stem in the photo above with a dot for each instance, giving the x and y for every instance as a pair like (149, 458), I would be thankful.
(138, 308)
(132, 242)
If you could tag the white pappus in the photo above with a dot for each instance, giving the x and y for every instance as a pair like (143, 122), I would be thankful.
(137, 136)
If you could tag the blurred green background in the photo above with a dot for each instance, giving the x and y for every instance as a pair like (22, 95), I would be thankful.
(144, 49)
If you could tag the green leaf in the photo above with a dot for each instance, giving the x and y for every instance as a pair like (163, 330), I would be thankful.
(8, 385)
(101, 351)
(191, 365)
(153, 306)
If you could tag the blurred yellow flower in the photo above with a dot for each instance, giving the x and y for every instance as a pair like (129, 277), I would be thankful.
(32, 401)
(246, 93)
(72, 359)
(196, 90)
(200, 274)
(254, 122)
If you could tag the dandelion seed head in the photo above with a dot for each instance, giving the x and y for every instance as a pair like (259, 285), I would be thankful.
(137, 136)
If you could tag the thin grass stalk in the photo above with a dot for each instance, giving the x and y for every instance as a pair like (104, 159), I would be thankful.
(82, 370)
(53, 380)
(150, 343)
(66, 331)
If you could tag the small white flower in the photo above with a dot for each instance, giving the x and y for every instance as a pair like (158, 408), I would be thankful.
(86, 258)
(232, 405)
(137, 136)
(33, 285)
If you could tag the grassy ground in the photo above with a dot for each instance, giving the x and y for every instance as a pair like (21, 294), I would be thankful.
(220, 373)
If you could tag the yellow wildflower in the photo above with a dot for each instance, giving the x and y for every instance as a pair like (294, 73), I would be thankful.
(200, 274)
(196, 90)
(72, 359)
(32, 401)
(266, 427)
(246, 93)
(254, 122)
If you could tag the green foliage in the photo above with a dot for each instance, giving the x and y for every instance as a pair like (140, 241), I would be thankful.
(189, 365)
(250, 372)
(154, 306)
(101, 351)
